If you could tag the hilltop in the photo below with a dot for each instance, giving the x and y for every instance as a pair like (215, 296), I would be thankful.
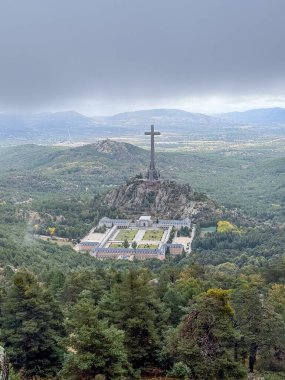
(161, 199)
(40, 169)
(32, 156)
(256, 185)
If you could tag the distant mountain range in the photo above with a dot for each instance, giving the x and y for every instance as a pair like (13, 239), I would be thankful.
(68, 127)
(257, 116)
(171, 115)
(44, 127)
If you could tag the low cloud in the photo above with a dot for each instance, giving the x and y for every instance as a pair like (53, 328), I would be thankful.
(59, 53)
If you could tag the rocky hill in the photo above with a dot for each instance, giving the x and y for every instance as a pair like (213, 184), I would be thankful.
(162, 199)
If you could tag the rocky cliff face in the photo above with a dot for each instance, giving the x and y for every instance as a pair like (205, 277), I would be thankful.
(162, 199)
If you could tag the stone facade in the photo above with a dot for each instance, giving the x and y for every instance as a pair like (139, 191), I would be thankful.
(147, 238)
(145, 221)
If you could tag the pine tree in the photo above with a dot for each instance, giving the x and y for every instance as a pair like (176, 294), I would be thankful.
(203, 344)
(95, 348)
(31, 328)
(78, 281)
(133, 307)
(126, 244)
(260, 322)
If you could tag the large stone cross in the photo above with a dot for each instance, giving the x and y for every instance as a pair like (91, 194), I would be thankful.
(153, 174)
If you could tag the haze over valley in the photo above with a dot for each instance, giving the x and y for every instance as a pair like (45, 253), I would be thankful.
(255, 126)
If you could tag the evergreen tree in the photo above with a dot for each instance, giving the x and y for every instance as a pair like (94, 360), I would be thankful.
(78, 281)
(126, 244)
(94, 348)
(31, 327)
(203, 344)
(250, 321)
(133, 307)
(260, 322)
(275, 306)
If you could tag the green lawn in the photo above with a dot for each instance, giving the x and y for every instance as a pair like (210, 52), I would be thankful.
(149, 246)
(153, 235)
(126, 234)
(207, 230)
(115, 245)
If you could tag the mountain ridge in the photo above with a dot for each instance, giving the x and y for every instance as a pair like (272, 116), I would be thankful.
(70, 127)
(257, 116)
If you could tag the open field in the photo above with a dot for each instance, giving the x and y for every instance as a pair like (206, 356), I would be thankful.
(126, 234)
(55, 240)
(155, 235)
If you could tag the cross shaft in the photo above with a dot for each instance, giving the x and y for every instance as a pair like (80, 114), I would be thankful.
(152, 173)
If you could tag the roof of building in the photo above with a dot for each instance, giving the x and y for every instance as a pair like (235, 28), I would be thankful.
(145, 217)
(106, 219)
(89, 243)
(120, 250)
(174, 221)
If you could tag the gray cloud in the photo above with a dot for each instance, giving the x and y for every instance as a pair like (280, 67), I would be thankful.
(53, 52)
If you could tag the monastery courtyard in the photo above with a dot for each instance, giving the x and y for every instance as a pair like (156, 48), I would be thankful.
(141, 239)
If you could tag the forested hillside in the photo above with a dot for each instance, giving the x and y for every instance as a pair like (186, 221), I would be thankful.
(252, 180)
(217, 313)
(124, 320)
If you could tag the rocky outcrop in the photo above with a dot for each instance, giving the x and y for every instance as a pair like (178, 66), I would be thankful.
(162, 199)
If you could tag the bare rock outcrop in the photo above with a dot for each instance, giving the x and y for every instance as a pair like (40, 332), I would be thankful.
(161, 199)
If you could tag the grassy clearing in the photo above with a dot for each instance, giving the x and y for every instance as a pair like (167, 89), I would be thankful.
(115, 245)
(126, 234)
(207, 230)
(155, 235)
(58, 241)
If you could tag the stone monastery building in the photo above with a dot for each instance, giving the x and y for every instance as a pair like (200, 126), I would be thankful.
(140, 239)
(144, 238)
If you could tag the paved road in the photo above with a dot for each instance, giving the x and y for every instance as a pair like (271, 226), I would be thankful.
(139, 236)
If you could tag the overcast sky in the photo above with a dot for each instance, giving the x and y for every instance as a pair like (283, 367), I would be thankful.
(107, 56)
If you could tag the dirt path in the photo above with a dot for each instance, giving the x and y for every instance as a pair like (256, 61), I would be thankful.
(191, 239)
